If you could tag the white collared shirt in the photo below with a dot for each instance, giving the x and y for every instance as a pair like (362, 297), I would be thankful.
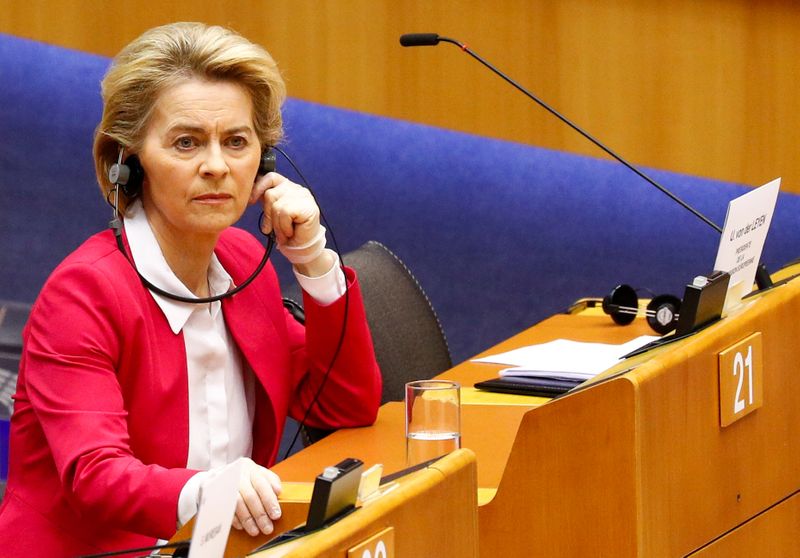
(221, 386)
(221, 391)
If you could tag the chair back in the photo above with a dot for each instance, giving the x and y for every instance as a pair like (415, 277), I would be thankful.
(410, 343)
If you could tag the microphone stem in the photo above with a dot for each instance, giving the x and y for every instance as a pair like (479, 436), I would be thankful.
(585, 134)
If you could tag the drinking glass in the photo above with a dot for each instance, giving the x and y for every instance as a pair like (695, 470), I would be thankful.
(433, 419)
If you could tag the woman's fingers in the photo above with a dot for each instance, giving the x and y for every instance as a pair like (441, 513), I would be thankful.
(257, 505)
(274, 481)
(289, 209)
(249, 521)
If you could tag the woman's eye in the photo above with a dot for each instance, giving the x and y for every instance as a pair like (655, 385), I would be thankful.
(185, 143)
(237, 141)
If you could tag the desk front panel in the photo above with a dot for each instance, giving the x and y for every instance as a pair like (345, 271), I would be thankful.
(638, 466)
(699, 479)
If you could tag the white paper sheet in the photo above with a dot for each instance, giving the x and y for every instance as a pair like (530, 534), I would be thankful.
(563, 358)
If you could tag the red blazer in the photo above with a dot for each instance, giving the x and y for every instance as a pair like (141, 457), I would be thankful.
(100, 432)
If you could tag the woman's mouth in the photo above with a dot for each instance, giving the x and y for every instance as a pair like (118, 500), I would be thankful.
(213, 198)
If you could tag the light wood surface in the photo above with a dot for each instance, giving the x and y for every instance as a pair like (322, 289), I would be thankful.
(636, 466)
(702, 87)
(764, 535)
(384, 443)
(642, 464)
(443, 495)
(433, 513)
(701, 480)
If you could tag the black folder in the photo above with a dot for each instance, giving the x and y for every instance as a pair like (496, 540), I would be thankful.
(529, 385)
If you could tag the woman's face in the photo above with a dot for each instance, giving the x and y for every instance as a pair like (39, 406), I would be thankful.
(200, 155)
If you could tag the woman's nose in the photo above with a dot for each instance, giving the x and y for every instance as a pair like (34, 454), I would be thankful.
(214, 164)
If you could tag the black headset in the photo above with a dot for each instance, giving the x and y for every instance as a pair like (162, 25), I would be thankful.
(128, 175)
(662, 311)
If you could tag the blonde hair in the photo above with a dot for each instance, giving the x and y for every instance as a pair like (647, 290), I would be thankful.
(166, 55)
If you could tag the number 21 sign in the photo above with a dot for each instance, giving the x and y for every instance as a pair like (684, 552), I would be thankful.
(741, 379)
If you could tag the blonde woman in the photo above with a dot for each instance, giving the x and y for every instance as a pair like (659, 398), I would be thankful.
(127, 400)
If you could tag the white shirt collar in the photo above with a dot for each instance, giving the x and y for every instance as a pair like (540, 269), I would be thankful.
(153, 266)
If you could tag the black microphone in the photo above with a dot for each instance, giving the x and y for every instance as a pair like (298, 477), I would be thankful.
(419, 39)
(431, 39)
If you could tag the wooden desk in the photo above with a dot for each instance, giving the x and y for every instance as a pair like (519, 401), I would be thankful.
(635, 466)
(487, 429)
(640, 466)
(430, 512)
(433, 512)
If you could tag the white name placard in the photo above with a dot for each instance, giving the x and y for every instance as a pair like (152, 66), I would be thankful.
(215, 515)
(746, 226)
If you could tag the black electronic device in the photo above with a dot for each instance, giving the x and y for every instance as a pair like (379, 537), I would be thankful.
(335, 493)
(703, 302)
(662, 312)
(268, 162)
(334, 496)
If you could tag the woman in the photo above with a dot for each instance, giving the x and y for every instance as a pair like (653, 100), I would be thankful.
(127, 400)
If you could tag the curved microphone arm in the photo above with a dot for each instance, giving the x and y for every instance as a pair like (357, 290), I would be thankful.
(433, 39)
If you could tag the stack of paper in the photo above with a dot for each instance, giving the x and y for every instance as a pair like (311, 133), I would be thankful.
(563, 358)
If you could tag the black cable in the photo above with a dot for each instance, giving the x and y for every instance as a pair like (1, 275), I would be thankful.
(340, 343)
(116, 226)
(179, 545)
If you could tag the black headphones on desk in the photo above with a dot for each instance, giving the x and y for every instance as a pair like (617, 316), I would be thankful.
(662, 312)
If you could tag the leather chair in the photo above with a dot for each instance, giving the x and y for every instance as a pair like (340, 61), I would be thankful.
(409, 341)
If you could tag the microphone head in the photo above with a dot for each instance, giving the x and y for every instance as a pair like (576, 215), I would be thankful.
(419, 39)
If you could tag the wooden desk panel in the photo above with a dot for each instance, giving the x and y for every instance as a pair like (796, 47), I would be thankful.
(636, 466)
(486, 430)
(433, 512)
(764, 535)
(569, 487)
(698, 479)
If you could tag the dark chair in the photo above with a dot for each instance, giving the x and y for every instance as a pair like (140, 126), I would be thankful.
(13, 316)
(408, 338)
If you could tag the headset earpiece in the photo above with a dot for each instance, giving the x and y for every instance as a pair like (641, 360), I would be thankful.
(663, 313)
(128, 176)
(119, 174)
(620, 299)
(134, 186)
(268, 162)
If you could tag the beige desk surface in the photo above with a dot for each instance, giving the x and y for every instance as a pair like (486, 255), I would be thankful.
(489, 421)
